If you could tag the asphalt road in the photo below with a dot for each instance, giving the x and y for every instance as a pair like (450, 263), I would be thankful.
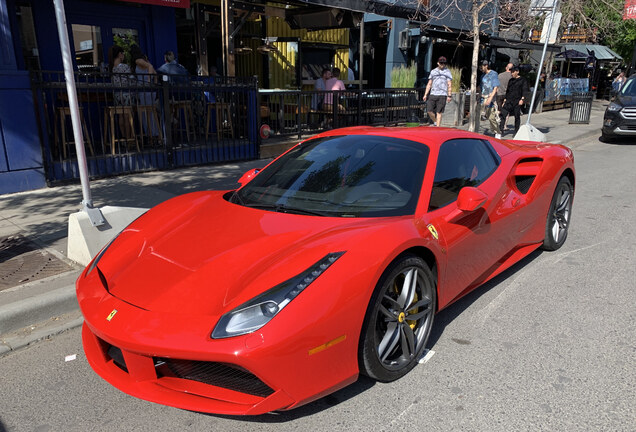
(549, 345)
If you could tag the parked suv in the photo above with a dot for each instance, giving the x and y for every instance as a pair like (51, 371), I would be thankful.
(620, 115)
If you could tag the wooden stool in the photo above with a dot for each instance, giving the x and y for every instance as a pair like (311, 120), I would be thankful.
(110, 116)
(148, 114)
(184, 108)
(223, 119)
(61, 113)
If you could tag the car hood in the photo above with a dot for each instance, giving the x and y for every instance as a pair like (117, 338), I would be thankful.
(199, 254)
(624, 100)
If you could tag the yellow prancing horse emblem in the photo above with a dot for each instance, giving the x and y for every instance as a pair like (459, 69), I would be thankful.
(433, 231)
(111, 315)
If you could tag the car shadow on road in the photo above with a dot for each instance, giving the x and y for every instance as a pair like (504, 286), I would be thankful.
(618, 140)
(442, 320)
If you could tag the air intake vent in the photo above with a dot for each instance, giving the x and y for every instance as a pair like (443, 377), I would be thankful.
(118, 358)
(216, 374)
(525, 172)
(524, 183)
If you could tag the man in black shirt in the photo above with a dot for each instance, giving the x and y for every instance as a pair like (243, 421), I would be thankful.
(515, 98)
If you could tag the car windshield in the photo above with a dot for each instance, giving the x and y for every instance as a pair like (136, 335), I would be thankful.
(341, 176)
(629, 89)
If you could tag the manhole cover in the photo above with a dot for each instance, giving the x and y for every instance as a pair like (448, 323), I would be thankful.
(21, 261)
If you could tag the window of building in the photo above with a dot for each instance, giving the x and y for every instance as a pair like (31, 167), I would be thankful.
(87, 42)
(125, 38)
(28, 39)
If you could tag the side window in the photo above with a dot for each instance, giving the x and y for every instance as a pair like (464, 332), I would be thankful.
(461, 162)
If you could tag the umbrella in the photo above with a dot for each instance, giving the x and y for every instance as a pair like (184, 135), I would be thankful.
(571, 54)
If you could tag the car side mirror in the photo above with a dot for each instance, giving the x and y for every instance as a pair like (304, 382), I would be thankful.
(469, 199)
(245, 178)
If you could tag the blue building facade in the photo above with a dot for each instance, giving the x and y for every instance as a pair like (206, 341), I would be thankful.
(29, 41)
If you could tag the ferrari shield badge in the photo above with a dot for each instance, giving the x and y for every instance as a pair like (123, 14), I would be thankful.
(433, 231)
(111, 315)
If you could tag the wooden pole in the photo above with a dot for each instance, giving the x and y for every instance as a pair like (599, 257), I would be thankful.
(361, 53)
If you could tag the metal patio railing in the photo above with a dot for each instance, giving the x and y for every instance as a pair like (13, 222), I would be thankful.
(133, 123)
(300, 112)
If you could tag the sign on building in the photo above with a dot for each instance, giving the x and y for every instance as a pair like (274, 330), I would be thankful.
(630, 10)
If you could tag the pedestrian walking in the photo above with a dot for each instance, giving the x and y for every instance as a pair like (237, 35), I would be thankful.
(515, 98)
(504, 77)
(489, 87)
(439, 88)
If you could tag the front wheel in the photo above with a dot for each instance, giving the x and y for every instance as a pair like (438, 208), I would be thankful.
(399, 319)
(556, 229)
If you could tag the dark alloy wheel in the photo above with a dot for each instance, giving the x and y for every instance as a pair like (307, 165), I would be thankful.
(398, 320)
(556, 229)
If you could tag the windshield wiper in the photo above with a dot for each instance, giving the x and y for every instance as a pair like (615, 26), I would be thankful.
(286, 209)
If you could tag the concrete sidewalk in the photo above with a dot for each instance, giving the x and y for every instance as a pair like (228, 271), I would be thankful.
(41, 302)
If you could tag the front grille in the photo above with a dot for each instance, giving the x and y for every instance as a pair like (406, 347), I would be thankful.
(629, 112)
(216, 374)
(523, 183)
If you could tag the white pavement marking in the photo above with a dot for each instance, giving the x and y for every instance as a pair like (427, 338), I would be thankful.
(426, 356)
(497, 301)
(562, 255)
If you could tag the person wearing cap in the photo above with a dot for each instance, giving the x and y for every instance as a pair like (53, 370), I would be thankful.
(438, 91)
(489, 86)
(516, 94)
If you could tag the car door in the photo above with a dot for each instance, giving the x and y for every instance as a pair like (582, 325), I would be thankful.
(474, 241)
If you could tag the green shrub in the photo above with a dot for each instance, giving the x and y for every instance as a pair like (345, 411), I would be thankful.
(457, 78)
(404, 76)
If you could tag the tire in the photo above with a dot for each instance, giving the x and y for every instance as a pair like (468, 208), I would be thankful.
(607, 138)
(399, 319)
(559, 214)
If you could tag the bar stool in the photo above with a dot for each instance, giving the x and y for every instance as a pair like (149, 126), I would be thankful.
(111, 114)
(149, 118)
(182, 111)
(223, 119)
(61, 114)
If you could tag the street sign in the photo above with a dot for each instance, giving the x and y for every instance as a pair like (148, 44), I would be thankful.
(630, 10)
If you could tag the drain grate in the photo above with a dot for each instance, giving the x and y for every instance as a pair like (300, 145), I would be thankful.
(21, 261)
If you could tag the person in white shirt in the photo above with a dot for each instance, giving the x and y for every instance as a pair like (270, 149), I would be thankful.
(439, 88)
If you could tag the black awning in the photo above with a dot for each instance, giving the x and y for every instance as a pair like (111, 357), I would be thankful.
(498, 42)
(493, 41)
(393, 9)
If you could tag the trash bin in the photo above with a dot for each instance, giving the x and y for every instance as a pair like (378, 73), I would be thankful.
(581, 107)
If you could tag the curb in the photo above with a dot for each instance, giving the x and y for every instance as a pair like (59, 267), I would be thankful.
(27, 336)
(22, 313)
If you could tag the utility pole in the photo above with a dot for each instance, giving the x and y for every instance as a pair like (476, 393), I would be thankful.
(94, 214)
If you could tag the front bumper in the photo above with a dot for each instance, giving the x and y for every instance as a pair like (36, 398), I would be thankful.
(149, 378)
(170, 358)
(621, 122)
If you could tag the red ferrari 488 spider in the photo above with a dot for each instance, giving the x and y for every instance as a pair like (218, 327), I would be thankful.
(330, 262)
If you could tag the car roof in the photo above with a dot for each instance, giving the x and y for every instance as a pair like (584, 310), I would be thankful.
(431, 136)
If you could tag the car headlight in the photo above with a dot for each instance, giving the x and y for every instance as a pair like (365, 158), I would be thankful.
(613, 106)
(257, 312)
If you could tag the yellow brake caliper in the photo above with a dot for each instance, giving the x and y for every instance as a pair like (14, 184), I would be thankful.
(411, 323)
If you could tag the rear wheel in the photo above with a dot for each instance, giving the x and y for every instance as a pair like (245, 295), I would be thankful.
(398, 320)
(556, 229)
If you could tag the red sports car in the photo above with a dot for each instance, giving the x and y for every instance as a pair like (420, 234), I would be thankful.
(330, 262)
